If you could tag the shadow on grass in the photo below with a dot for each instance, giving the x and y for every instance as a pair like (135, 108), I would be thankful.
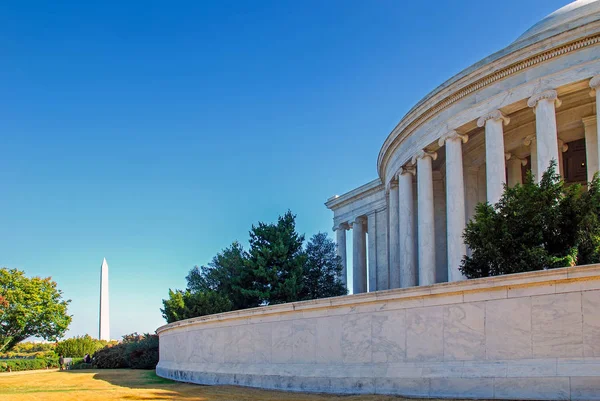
(141, 380)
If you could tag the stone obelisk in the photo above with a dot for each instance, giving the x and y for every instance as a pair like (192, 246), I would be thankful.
(104, 315)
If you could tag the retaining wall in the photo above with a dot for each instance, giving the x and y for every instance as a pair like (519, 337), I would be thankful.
(523, 336)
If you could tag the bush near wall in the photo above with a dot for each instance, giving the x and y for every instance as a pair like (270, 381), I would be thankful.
(535, 227)
(135, 352)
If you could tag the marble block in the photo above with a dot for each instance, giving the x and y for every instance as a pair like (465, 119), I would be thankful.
(508, 321)
(356, 338)
(464, 332)
(389, 336)
(425, 334)
(556, 325)
(591, 323)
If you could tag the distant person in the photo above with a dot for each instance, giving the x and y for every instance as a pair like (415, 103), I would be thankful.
(61, 362)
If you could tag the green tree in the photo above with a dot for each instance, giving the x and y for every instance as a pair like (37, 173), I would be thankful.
(276, 261)
(228, 275)
(77, 347)
(31, 307)
(322, 269)
(534, 227)
(186, 304)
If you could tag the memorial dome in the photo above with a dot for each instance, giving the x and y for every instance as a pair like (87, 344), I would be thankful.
(572, 15)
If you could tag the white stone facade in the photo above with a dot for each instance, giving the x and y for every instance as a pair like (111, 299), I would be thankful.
(523, 336)
(518, 109)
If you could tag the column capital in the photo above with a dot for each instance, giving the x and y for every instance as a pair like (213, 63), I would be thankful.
(407, 170)
(589, 121)
(595, 85)
(529, 140)
(342, 226)
(550, 95)
(494, 115)
(513, 157)
(360, 220)
(422, 154)
(451, 135)
(562, 146)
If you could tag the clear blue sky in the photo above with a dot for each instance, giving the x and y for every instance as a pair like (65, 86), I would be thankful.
(155, 133)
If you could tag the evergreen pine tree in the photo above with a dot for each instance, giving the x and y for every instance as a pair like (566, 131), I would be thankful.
(322, 269)
(275, 261)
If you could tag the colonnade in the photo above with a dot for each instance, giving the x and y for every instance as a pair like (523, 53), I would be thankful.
(410, 264)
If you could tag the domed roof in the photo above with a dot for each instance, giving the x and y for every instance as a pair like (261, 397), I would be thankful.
(568, 17)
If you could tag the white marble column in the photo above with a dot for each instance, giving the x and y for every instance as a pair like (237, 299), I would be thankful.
(531, 143)
(591, 146)
(514, 172)
(494, 153)
(406, 229)
(562, 148)
(544, 106)
(425, 216)
(455, 202)
(359, 256)
(372, 243)
(595, 85)
(394, 244)
(340, 232)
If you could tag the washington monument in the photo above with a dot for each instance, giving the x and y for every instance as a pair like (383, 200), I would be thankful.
(104, 314)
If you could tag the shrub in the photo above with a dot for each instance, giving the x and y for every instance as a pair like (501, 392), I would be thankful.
(110, 357)
(77, 347)
(534, 227)
(16, 365)
(136, 352)
(143, 354)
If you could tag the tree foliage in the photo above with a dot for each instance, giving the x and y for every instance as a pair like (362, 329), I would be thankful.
(534, 227)
(227, 275)
(30, 307)
(77, 347)
(276, 269)
(322, 269)
(275, 261)
(136, 351)
(188, 304)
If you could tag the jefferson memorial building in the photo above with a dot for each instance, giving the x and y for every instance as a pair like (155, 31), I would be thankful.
(534, 101)
(413, 326)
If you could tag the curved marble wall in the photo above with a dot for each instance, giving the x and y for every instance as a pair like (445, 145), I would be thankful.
(525, 336)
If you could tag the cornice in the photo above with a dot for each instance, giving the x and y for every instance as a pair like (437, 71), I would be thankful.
(363, 191)
(508, 61)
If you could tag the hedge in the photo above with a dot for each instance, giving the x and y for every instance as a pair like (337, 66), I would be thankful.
(16, 365)
(136, 352)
